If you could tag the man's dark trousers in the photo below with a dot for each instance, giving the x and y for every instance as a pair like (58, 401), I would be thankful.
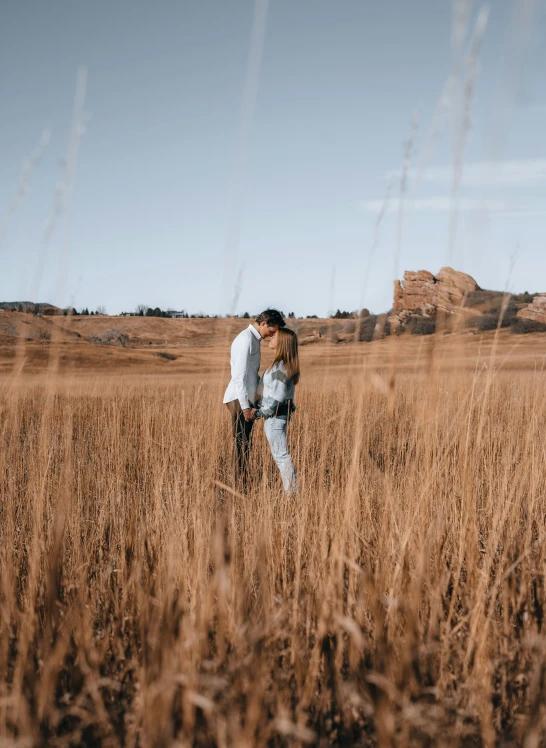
(242, 431)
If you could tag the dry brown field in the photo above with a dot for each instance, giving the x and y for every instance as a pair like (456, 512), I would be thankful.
(399, 599)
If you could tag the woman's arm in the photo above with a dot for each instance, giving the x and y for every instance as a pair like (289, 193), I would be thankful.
(276, 394)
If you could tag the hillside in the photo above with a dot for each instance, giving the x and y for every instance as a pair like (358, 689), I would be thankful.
(458, 319)
(101, 343)
(175, 347)
(135, 332)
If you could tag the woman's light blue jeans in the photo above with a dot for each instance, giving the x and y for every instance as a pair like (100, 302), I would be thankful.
(275, 431)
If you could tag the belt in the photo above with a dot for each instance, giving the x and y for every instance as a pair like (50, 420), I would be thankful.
(285, 408)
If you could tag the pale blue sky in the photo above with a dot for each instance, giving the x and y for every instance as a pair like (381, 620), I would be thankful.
(171, 157)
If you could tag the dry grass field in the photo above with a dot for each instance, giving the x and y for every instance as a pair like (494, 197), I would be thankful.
(398, 600)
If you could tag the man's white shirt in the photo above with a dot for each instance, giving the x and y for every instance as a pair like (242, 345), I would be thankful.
(245, 364)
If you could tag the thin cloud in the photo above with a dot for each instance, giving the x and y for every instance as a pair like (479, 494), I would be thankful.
(516, 173)
(525, 212)
(442, 204)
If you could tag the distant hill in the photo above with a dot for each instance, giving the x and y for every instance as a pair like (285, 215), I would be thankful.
(423, 304)
(29, 306)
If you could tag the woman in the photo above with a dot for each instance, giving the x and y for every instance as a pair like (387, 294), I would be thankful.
(276, 389)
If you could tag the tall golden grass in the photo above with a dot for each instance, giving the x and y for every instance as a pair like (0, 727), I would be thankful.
(399, 599)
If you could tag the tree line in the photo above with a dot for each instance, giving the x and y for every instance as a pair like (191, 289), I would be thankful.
(142, 310)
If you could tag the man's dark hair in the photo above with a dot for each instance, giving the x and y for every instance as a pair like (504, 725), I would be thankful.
(272, 317)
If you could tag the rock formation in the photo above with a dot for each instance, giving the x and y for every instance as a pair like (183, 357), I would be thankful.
(536, 310)
(423, 294)
(314, 337)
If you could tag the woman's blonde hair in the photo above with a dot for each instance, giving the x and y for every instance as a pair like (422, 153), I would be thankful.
(287, 351)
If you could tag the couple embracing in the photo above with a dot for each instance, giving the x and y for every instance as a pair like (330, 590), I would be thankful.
(270, 397)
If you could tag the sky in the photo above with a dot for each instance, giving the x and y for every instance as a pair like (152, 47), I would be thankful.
(223, 157)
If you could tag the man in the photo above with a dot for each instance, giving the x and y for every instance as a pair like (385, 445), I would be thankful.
(240, 395)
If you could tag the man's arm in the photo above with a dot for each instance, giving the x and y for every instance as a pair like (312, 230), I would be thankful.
(240, 357)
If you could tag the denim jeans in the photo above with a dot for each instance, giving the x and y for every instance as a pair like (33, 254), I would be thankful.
(275, 431)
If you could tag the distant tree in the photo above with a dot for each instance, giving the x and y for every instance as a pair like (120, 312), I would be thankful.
(423, 326)
(522, 326)
(157, 312)
(149, 312)
(92, 313)
(100, 310)
(312, 316)
(366, 329)
(141, 309)
(291, 315)
(113, 336)
(246, 315)
(342, 315)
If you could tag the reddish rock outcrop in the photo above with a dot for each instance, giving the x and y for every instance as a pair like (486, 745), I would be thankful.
(536, 310)
(423, 294)
(416, 291)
